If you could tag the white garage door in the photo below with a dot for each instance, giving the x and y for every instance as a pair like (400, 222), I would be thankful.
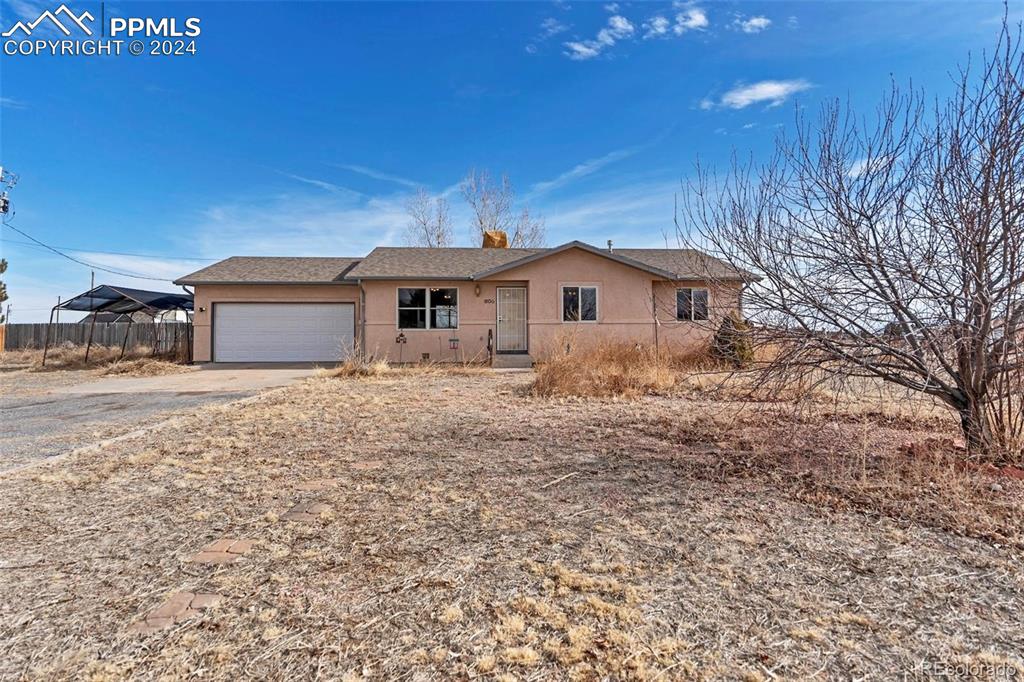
(282, 332)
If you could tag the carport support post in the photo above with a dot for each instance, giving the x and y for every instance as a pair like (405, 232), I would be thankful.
(124, 344)
(46, 342)
(88, 346)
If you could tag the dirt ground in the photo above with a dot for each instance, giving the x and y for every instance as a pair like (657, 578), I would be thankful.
(430, 526)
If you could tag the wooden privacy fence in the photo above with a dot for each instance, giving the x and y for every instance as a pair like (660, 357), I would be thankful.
(164, 337)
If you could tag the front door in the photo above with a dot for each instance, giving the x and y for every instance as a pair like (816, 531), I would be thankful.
(511, 320)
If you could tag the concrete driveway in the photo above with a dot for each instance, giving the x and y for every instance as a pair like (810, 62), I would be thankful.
(38, 425)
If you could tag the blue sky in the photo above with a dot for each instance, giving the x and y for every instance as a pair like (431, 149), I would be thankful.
(302, 128)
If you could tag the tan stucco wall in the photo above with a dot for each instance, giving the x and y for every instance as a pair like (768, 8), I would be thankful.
(208, 294)
(477, 315)
(625, 310)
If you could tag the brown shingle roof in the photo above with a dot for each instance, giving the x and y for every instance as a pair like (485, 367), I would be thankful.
(392, 262)
(684, 263)
(272, 270)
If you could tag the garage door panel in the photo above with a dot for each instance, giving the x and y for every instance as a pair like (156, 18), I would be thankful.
(282, 332)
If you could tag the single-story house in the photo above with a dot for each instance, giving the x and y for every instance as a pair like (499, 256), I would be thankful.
(408, 304)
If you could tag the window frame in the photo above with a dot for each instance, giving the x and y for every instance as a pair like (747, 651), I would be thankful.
(580, 287)
(426, 310)
(692, 318)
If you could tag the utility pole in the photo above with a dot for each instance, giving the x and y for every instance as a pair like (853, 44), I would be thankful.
(58, 310)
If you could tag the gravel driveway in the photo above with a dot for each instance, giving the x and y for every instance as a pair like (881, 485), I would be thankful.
(50, 414)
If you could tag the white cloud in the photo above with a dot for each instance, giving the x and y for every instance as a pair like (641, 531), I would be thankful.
(551, 27)
(656, 27)
(618, 28)
(633, 214)
(299, 224)
(581, 170)
(770, 91)
(752, 24)
(612, 7)
(10, 103)
(690, 19)
(377, 175)
(322, 184)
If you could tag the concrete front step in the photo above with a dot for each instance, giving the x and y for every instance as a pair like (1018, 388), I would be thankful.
(511, 361)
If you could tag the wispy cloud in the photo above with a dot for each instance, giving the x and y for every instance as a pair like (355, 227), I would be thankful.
(752, 24)
(377, 175)
(10, 103)
(634, 213)
(549, 28)
(772, 92)
(299, 224)
(581, 170)
(656, 27)
(322, 184)
(618, 28)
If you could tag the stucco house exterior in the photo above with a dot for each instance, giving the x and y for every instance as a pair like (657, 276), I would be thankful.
(409, 304)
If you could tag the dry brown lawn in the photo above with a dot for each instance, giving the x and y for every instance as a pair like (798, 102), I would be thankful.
(470, 530)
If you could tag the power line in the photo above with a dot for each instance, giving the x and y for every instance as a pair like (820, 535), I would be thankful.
(82, 262)
(113, 253)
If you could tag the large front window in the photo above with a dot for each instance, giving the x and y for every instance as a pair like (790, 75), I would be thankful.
(428, 308)
(579, 304)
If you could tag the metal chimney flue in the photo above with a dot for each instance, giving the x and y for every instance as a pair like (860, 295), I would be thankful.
(609, 246)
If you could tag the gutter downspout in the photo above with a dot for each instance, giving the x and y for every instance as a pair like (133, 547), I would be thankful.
(362, 319)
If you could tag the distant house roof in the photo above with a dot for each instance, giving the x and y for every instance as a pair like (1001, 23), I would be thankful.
(395, 262)
(273, 270)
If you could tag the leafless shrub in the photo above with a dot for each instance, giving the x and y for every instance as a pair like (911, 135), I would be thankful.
(894, 249)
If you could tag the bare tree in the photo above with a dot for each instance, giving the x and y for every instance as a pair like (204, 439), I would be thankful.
(893, 249)
(429, 222)
(493, 206)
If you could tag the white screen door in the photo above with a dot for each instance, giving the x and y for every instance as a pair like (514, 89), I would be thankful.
(511, 320)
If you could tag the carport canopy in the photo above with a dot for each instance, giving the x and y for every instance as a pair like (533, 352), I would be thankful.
(106, 298)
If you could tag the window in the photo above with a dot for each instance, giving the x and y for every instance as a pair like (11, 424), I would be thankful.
(428, 308)
(579, 304)
(692, 304)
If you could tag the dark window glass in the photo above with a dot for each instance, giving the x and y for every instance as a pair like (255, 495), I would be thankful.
(700, 304)
(570, 304)
(444, 308)
(683, 304)
(588, 304)
(412, 298)
(412, 318)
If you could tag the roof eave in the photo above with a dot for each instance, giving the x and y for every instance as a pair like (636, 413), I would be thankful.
(195, 282)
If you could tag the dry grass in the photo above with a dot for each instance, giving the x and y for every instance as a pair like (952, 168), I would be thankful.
(145, 367)
(368, 367)
(667, 537)
(138, 361)
(604, 369)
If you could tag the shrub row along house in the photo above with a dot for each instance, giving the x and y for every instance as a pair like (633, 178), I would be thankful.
(457, 304)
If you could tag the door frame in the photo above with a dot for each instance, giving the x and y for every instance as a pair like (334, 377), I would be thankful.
(526, 318)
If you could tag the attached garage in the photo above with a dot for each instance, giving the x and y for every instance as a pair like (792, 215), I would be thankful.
(274, 309)
(282, 332)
